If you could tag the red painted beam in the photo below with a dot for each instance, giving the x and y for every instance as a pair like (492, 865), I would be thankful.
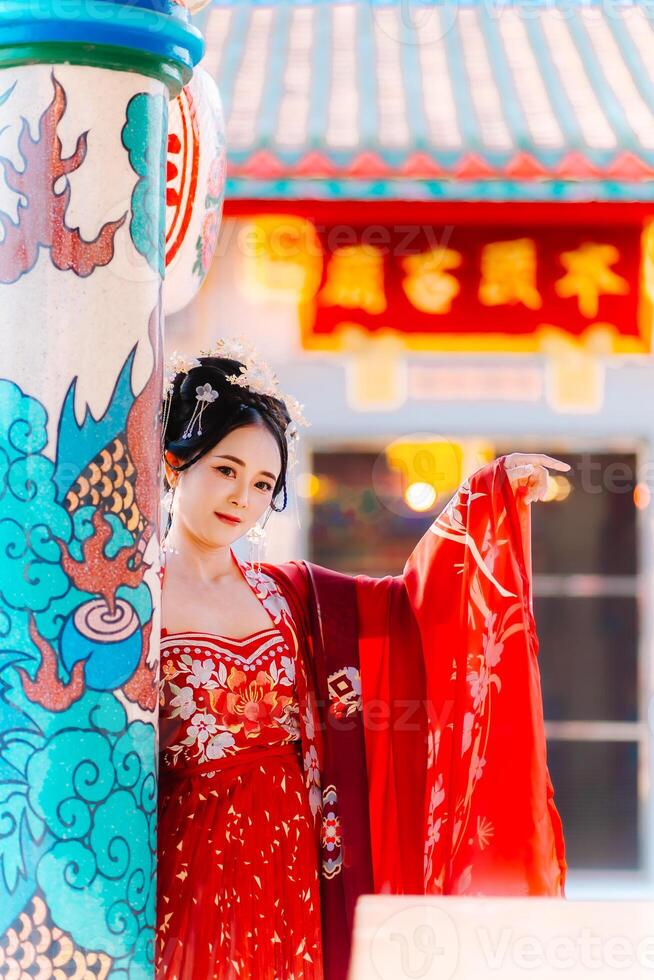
(450, 212)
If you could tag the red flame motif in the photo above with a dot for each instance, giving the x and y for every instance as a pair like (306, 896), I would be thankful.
(141, 688)
(144, 434)
(95, 573)
(98, 574)
(42, 220)
(47, 689)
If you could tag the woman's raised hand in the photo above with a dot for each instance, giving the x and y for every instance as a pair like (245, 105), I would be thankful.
(528, 471)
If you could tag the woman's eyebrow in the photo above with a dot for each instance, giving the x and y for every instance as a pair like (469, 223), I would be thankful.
(235, 459)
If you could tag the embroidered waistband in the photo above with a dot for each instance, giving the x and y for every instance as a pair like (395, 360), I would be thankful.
(243, 759)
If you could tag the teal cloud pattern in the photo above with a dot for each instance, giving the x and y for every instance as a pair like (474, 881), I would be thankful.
(145, 137)
(77, 785)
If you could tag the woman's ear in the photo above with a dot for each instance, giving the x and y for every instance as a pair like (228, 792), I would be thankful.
(171, 475)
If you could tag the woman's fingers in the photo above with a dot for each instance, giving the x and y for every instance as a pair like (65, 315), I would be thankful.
(529, 472)
(541, 484)
(531, 478)
(516, 472)
(541, 459)
(552, 463)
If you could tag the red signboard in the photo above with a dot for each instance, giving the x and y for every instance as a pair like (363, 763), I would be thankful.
(465, 288)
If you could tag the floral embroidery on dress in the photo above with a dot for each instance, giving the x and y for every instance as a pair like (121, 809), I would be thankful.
(436, 798)
(221, 704)
(481, 679)
(232, 829)
(312, 776)
(344, 692)
(266, 590)
(451, 524)
(296, 715)
(330, 837)
(250, 704)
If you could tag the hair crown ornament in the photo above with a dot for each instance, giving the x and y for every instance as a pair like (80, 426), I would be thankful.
(255, 375)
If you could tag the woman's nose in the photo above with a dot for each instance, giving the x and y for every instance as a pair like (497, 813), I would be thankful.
(239, 495)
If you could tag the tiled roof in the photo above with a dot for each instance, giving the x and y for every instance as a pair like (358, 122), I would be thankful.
(436, 100)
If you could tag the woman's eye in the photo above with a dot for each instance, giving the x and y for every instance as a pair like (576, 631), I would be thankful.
(261, 483)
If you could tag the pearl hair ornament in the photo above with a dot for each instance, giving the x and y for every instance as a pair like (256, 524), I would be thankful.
(255, 375)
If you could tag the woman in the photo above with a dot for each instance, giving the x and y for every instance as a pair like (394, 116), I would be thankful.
(324, 736)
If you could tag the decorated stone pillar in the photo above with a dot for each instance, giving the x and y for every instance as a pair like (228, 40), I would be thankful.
(84, 93)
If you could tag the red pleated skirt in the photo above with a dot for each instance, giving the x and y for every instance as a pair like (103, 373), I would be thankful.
(238, 891)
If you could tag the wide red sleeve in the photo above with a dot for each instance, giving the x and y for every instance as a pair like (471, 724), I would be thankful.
(456, 632)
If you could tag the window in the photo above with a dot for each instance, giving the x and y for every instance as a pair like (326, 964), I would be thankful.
(587, 610)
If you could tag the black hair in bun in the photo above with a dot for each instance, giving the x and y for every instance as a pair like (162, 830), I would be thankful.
(235, 406)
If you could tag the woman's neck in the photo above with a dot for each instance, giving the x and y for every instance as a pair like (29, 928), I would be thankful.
(210, 566)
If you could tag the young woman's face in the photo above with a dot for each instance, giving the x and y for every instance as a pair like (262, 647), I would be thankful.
(236, 478)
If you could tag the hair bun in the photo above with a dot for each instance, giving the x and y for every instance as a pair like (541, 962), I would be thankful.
(207, 373)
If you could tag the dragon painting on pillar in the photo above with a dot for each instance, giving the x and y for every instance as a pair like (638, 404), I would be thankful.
(82, 230)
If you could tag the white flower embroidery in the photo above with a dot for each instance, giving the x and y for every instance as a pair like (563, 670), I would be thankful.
(276, 605)
(433, 745)
(184, 702)
(434, 833)
(315, 800)
(203, 725)
(354, 678)
(468, 722)
(289, 720)
(313, 779)
(216, 746)
(478, 686)
(491, 646)
(308, 719)
(266, 590)
(200, 673)
(476, 768)
(289, 666)
(311, 766)
(437, 794)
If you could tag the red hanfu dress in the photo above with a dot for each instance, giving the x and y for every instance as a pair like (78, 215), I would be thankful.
(238, 883)
(422, 756)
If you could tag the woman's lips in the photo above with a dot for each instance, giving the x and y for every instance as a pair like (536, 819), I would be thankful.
(227, 520)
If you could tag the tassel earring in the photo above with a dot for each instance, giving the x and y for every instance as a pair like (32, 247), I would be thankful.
(167, 506)
(257, 538)
(167, 501)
